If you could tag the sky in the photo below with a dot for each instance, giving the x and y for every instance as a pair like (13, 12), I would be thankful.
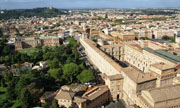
(26, 4)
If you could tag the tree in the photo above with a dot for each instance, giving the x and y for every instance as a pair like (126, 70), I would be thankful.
(45, 105)
(54, 104)
(144, 38)
(85, 76)
(70, 71)
(35, 92)
(11, 94)
(55, 73)
(81, 66)
(8, 76)
(1, 33)
(166, 37)
(72, 42)
(47, 56)
(76, 54)
(2, 83)
(172, 39)
(26, 99)
(6, 50)
(53, 63)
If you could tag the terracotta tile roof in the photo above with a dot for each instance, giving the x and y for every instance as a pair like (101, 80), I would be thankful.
(95, 92)
(62, 94)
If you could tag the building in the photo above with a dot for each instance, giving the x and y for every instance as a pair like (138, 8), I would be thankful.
(94, 97)
(134, 81)
(164, 97)
(158, 34)
(16, 68)
(115, 85)
(68, 99)
(31, 42)
(47, 97)
(125, 36)
(165, 73)
(97, 96)
(147, 68)
(115, 51)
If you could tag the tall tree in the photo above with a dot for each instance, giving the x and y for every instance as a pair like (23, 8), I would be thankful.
(54, 104)
(26, 99)
(35, 92)
(8, 76)
(85, 76)
(70, 71)
(53, 63)
(11, 94)
(55, 73)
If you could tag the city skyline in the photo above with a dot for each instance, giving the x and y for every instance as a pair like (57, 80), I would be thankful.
(75, 4)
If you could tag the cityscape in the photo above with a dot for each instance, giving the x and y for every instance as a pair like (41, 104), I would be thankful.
(90, 56)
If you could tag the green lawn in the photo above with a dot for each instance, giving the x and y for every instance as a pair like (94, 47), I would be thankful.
(28, 50)
(3, 89)
(32, 50)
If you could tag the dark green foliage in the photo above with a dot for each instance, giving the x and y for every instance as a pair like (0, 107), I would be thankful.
(72, 42)
(2, 83)
(70, 71)
(144, 38)
(39, 12)
(25, 90)
(8, 76)
(53, 63)
(35, 91)
(165, 37)
(172, 39)
(54, 104)
(45, 105)
(55, 73)
(85, 76)
(4, 48)
(26, 99)
(11, 89)
(1, 33)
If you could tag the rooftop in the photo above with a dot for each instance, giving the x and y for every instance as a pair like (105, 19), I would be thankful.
(95, 92)
(164, 93)
(63, 94)
(106, 57)
(164, 54)
(115, 77)
(137, 76)
(163, 66)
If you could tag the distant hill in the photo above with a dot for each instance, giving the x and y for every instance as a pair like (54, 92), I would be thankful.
(39, 12)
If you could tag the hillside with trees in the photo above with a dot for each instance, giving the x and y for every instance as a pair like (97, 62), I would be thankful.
(39, 12)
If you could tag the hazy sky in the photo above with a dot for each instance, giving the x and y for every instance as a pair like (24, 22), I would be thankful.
(16, 4)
